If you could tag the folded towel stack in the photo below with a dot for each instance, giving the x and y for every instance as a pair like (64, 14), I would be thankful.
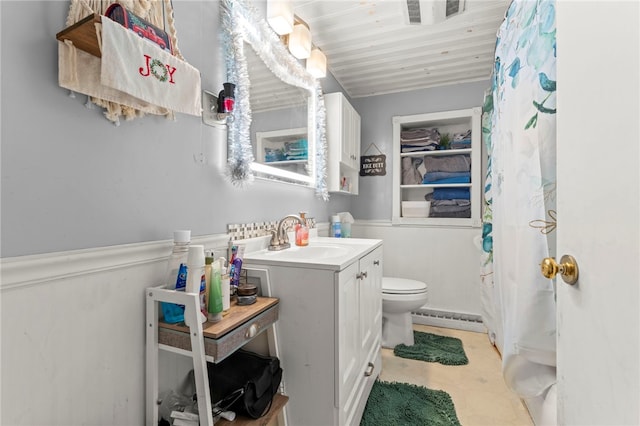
(419, 139)
(461, 140)
(448, 163)
(448, 201)
(297, 150)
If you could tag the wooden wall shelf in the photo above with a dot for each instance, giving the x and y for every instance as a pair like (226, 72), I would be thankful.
(83, 34)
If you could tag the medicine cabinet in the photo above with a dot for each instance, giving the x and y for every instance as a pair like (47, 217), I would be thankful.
(343, 140)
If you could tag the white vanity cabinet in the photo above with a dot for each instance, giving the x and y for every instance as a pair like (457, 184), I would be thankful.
(343, 140)
(328, 334)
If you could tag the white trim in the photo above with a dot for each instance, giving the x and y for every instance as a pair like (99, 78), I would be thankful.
(448, 323)
(29, 270)
(377, 222)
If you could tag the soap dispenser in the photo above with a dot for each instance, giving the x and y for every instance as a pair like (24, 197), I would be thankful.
(302, 231)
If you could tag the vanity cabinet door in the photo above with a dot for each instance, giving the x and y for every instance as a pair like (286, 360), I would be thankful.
(350, 147)
(347, 334)
(370, 288)
(360, 306)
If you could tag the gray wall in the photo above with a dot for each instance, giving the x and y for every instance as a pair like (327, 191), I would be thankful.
(73, 180)
(376, 112)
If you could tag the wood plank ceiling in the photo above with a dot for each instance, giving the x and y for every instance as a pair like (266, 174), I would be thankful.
(372, 49)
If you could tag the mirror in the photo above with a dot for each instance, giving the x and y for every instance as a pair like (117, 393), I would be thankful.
(277, 102)
(279, 119)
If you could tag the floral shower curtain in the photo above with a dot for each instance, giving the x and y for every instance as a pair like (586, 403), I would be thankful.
(519, 124)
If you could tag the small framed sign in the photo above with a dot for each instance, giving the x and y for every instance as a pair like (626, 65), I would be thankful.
(373, 165)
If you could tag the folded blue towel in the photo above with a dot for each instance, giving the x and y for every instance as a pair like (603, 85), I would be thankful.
(447, 177)
(459, 179)
(451, 194)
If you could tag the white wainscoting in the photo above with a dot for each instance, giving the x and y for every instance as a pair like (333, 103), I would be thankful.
(73, 333)
(445, 258)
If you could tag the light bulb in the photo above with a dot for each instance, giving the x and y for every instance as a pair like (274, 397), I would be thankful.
(280, 16)
(300, 41)
(317, 63)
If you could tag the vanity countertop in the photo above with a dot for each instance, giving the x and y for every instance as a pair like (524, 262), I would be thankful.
(321, 253)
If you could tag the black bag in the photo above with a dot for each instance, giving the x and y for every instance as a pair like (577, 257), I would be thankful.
(252, 378)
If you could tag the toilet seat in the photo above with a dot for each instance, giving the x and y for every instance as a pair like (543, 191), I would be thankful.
(392, 285)
(400, 297)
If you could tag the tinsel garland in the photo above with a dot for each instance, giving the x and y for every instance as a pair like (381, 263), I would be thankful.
(240, 153)
(240, 23)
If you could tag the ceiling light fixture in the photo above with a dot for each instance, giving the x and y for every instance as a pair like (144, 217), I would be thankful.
(295, 33)
(300, 41)
(317, 63)
(280, 16)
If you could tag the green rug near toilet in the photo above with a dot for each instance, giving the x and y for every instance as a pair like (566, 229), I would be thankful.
(403, 404)
(433, 348)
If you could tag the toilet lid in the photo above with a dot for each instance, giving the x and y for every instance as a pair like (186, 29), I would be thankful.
(402, 286)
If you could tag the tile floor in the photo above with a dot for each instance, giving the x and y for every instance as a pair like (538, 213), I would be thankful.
(478, 390)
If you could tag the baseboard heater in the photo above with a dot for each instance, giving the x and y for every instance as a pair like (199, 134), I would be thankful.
(447, 319)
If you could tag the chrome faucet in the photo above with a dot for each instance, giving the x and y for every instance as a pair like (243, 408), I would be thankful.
(279, 237)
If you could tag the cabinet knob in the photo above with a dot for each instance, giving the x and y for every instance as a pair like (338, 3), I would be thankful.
(362, 275)
(251, 331)
(376, 262)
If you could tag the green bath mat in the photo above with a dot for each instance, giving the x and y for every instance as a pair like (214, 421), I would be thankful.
(403, 404)
(433, 348)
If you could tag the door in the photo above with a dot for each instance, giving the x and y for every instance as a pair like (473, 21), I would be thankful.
(370, 320)
(347, 330)
(598, 212)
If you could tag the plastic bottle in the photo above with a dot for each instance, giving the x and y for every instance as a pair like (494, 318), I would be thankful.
(302, 232)
(226, 287)
(226, 292)
(235, 267)
(215, 293)
(208, 260)
(176, 275)
(196, 281)
(336, 228)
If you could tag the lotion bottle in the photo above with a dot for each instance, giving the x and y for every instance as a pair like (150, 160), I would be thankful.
(302, 232)
(196, 281)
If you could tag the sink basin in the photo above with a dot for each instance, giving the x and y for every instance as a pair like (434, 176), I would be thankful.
(310, 252)
(322, 253)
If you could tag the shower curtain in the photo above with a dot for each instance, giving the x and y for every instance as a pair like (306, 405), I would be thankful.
(519, 124)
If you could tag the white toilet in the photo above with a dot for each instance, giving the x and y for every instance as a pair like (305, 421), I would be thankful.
(400, 297)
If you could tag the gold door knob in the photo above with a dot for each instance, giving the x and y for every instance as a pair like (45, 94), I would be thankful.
(568, 268)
